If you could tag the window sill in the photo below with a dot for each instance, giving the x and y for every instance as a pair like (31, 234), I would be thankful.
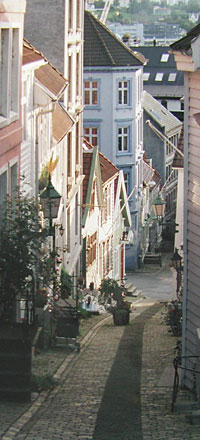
(124, 107)
(7, 121)
(123, 153)
(92, 107)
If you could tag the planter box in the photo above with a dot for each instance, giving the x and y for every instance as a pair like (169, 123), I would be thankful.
(15, 362)
(121, 317)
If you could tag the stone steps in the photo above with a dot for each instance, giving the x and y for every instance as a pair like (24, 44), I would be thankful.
(132, 290)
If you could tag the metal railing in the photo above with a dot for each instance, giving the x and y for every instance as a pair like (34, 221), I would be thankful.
(177, 365)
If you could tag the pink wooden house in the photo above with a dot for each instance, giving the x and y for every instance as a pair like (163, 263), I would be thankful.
(11, 37)
(187, 56)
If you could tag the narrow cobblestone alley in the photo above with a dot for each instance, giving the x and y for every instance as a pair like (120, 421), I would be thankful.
(113, 388)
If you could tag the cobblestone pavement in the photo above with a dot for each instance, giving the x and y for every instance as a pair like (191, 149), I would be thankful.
(114, 389)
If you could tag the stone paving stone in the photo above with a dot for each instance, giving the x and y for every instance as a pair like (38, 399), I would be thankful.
(112, 391)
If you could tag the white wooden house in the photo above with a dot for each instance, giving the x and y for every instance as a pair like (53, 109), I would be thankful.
(106, 218)
(56, 29)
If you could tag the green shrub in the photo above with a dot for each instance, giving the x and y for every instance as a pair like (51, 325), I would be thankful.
(42, 383)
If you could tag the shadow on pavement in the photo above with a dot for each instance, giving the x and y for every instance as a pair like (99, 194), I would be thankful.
(119, 416)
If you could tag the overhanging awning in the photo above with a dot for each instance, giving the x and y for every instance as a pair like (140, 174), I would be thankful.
(62, 122)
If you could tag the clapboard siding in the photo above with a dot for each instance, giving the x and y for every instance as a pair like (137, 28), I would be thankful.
(194, 160)
(195, 94)
(195, 259)
(194, 293)
(194, 198)
(192, 228)
(26, 167)
(194, 187)
(193, 278)
(194, 209)
(193, 139)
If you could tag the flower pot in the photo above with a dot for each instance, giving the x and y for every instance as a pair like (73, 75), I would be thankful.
(121, 317)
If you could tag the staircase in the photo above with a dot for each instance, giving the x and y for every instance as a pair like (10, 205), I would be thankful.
(132, 290)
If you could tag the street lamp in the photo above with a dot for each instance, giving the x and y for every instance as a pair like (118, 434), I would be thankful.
(50, 201)
(159, 208)
(177, 264)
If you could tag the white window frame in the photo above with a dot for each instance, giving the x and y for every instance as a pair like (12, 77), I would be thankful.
(91, 135)
(91, 89)
(123, 133)
(9, 73)
(123, 92)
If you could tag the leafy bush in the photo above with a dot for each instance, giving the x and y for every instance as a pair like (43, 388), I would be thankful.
(66, 283)
(21, 239)
(110, 288)
(42, 383)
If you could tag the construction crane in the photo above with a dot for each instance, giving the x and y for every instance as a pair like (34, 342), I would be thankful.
(105, 11)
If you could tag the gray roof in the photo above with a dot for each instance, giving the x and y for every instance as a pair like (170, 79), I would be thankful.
(103, 48)
(160, 114)
(164, 91)
(185, 42)
(164, 87)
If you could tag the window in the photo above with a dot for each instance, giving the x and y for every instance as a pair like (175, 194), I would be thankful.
(70, 14)
(77, 144)
(8, 181)
(9, 72)
(3, 186)
(69, 154)
(123, 92)
(91, 92)
(78, 74)
(24, 110)
(172, 77)
(78, 14)
(70, 78)
(127, 181)
(68, 230)
(159, 77)
(164, 57)
(146, 76)
(91, 135)
(76, 214)
(123, 139)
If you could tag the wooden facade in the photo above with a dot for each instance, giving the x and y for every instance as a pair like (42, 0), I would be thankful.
(188, 62)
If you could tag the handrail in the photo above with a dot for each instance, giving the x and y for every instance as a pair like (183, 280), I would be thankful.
(176, 364)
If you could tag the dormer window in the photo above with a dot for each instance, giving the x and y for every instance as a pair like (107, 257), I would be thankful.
(146, 76)
(172, 77)
(164, 57)
(159, 77)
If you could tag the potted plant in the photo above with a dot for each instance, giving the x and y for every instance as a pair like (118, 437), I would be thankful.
(111, 290)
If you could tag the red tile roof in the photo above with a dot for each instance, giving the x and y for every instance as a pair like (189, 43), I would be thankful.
(108, 169)
(46, 74)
